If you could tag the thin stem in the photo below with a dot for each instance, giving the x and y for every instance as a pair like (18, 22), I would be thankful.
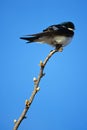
(35, 90)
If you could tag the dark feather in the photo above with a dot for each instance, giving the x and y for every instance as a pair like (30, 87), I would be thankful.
(29, 39)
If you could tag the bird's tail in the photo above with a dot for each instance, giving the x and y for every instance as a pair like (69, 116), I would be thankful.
(29, 39)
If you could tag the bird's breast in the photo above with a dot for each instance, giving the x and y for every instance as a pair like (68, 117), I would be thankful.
(62, 40)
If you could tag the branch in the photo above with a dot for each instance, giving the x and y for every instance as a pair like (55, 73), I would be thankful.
(35, 90)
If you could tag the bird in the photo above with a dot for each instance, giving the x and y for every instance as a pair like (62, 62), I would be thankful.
(58, 35)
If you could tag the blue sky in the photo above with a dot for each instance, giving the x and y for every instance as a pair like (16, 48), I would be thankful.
(61, 102)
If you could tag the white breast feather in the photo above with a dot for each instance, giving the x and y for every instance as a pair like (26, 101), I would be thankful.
(62, 40)
(55, 40)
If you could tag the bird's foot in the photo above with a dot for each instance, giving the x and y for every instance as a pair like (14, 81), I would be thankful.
(59, 48)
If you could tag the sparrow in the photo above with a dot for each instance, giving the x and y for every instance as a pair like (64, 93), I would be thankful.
(58, 35)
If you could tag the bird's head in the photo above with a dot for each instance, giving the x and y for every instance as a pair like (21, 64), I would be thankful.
(68, 25)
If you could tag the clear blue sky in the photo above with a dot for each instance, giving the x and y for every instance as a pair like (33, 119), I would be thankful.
(61, 103)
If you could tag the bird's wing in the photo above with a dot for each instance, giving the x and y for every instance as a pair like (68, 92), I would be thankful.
(52, 28)
(41, 34)
(47, 32)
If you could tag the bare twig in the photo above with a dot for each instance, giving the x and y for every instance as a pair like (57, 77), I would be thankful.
(36, 89)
